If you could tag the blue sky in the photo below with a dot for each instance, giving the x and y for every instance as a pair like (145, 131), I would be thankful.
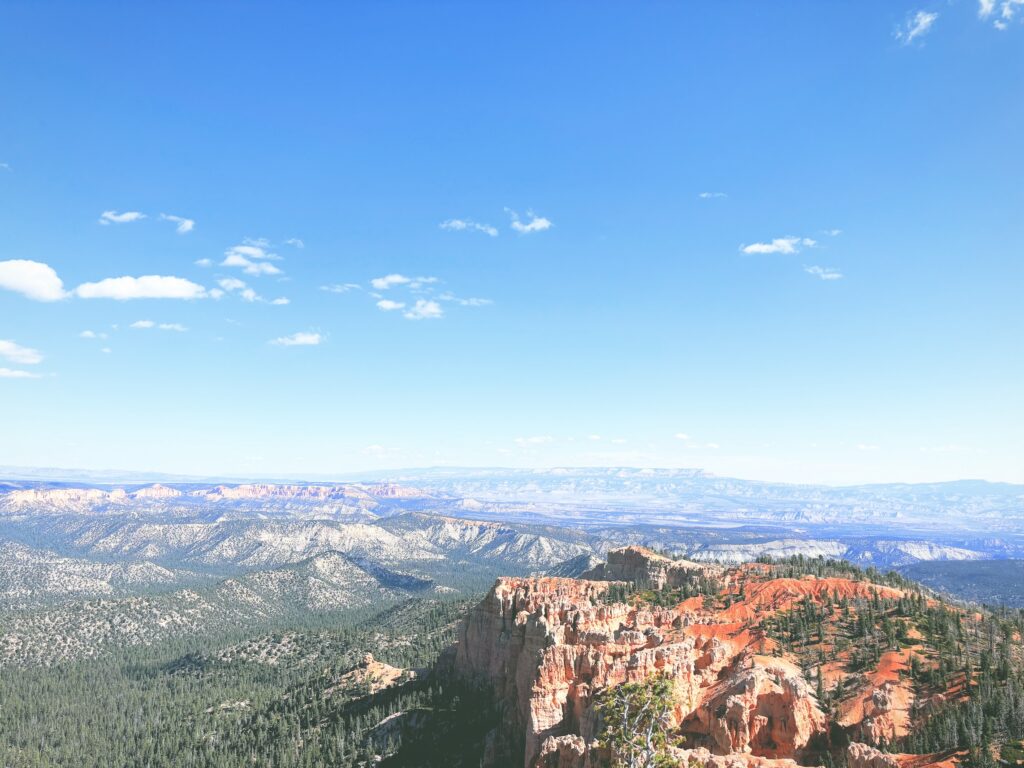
(777, 241)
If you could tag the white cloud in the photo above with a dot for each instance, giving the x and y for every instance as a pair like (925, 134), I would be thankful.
(383, 283)
(299, 339)
(106, 350)
(471, 302)
(5, 166)
(145, 287)
(253, 249)
(203, 263)
(252, 257)
(824, 273)
(295, 242)
(19, 354)
(340, 287)
(788, 244)
(866, 447)
(231, 283)
(389, 281)
(184, 225)
(389, 306)
(280, 302)
(160, 326)
(113, 217)
(40, 282)
(711, 195)
(9, 373)
(535, 224)
(833, 232)
(1007, 11)
(250, 267)
(424, 309)
(462, 225)
(681, 436)
(916, 26)
(32, 279)
(92, 335)
(534, 440)
(593, 438)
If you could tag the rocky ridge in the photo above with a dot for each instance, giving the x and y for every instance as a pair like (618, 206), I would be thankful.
(545, 646)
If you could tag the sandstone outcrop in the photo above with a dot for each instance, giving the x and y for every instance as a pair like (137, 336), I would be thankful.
(865, 756)
(747, 650)
(638, 565)
(544, 646)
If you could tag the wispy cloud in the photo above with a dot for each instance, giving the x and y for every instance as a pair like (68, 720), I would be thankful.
(463, 225)
(390, 281)
(915, 27)
(383, 283)
(1007, 11)
(184, 225)
(231, 283)
(424, 309)
(824, 273)
(295, 242)
(535, 224)
(5, 166)
(390, 306)
(145, 324)
(788, 244)
(204, 262)
(18, 354)
(280, 301)
(144, 287)
(10, 373)
(113, 217)
(681, 436)
(866, 447)
(300, 339)
(470, 302)
(833, 232)
(712, 195)
(32, 279)
(253, 258)
(244, 292)
(340, 287)
(92, 335)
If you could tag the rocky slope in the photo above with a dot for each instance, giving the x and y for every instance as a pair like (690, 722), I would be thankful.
(743, 694)
(327, 582)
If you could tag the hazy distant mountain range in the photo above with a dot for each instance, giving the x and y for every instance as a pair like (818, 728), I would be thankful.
(65, 541)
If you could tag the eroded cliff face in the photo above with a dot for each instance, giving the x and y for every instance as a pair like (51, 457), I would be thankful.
(638, 565)
(545, 646)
